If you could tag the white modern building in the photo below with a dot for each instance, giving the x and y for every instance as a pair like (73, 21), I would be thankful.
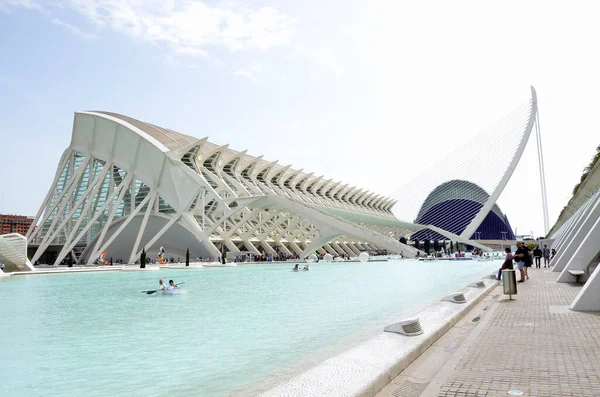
(123, 185)
(576, 238)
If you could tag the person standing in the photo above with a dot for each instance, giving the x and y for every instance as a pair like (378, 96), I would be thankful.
(519, 257)
(528, 259)
(537, 255)
(546, 253)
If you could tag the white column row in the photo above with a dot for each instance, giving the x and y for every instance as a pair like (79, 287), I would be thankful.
(578, 254)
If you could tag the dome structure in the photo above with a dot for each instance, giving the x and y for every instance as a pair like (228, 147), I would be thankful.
(453, 205)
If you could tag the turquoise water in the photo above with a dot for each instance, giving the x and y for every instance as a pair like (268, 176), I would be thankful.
(96, 334)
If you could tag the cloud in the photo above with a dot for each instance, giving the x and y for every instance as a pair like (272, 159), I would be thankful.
(187, 27)
(257, 67)
(6, 5)
(254, 71)
(247, 74)
(326, 59)
(242, 73)
(320, 58)
(75, 30)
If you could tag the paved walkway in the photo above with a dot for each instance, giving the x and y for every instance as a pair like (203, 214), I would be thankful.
(533, 344)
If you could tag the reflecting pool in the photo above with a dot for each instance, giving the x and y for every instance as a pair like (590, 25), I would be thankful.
(236, 331)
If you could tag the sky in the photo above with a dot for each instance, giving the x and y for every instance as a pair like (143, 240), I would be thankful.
(370, 93)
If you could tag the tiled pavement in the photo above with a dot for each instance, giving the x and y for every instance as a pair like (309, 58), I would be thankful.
(533, 344)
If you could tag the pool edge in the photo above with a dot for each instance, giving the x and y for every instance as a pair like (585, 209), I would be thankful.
(425, 344)
(364, 370)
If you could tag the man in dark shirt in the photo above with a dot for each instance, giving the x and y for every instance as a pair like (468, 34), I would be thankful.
(546, 253)
(528, 259)
(537, 254)
(519, 257)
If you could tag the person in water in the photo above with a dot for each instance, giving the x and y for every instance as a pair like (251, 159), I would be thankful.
(305, 267)
(296, 267)
(161, 285)
(172, 286)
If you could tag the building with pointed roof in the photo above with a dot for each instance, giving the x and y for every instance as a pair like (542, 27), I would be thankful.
(124, 185)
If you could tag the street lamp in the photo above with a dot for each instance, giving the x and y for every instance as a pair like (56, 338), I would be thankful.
(503, 238)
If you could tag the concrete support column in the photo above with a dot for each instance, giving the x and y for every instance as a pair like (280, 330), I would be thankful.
(283, 248)
(318, 241)
(354, 249)
(579, 233)
(250, 247)
(330, 250)
(588, 298)
(565, 230)
(267, 247)
(337, 248)
(568, 230)
(295, 247)
(586, 252)
(347, 249)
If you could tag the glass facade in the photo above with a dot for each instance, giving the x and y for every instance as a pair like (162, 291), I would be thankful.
(86, 200)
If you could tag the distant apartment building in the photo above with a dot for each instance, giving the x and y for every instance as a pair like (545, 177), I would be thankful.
(15, 224)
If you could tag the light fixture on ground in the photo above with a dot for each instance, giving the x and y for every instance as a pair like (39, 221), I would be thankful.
(408, 327)
(478, 284)
(457, 297)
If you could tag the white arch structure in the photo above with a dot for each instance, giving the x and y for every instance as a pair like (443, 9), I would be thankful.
(479, 162)
(123, 185)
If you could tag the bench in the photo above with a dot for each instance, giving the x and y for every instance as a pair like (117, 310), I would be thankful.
(577, 274)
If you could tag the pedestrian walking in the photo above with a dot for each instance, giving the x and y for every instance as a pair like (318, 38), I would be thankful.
(546, 253)
(528, 259)
(537, 255)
